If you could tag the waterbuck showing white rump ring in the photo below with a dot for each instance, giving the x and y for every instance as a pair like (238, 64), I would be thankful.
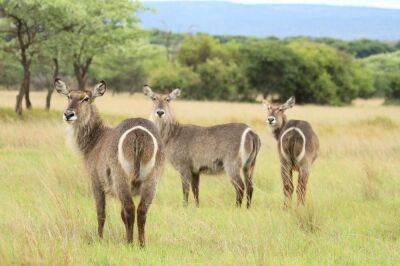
(194, 150)
(123, 161)
(298, 148)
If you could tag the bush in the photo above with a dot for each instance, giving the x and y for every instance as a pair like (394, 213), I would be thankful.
(270, 67)
(328, 76)
(385, 71)
(221, 81)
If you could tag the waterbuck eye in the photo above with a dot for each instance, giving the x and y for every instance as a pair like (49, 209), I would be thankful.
(168, 100)
(86, 99)
(154, 98)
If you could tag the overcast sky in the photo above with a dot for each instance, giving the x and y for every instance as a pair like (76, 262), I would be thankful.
(369, 3)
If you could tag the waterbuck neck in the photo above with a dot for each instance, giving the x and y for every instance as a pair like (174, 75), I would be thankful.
(167, 128)
(88, 133)
(277, 131)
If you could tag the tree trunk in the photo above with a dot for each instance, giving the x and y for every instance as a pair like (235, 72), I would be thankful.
(51, 87)
(23, 90)
(28, 103)
(80, 71)
(81, 78)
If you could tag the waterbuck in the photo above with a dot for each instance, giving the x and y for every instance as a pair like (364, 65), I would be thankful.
(123, 161)
(194, 150)
(298, 147)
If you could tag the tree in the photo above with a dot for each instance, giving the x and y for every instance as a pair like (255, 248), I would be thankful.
(100, 26)
(328, 76)
(385, 69)
(195, 50)
(220, 80)
(271, 67)
(365, 47)
(25, 27)
(127, 68)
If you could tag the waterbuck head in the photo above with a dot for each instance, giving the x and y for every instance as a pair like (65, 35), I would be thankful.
(79, 109)
(161, 108)
(276, 116)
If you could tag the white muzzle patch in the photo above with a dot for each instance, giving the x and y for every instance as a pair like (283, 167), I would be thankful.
(271, 120)
(159, 113)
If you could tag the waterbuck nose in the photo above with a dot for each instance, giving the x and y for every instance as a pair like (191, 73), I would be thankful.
(69, 114)
(271, 119)
(160, 113)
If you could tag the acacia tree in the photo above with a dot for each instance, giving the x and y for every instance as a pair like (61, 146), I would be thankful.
(24, 27)
(104, 24)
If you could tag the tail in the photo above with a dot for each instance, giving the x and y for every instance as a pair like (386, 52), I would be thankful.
(138, 148)
(248, 167)
(256, 144)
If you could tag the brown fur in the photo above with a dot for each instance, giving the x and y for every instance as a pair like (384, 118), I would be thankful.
(99, 146)
(290, 148)
(194, 150)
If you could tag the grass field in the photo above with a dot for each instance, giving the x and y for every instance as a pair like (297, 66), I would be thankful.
(351, 216)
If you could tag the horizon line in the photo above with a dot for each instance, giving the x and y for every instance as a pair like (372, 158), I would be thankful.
(282, 3)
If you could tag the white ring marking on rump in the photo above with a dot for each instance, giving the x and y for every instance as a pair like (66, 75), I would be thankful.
(242, 152)
(126, 165)
(303, 150)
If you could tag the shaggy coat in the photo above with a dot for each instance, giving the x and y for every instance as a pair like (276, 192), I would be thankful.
(194, 150)
(298, 148)
(123, 161)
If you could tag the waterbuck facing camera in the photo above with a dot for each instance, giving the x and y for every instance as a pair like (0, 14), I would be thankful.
(194, 150)
(298, 148)
(123, 161)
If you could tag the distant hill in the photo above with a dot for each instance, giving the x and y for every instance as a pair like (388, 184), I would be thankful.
(280, 20)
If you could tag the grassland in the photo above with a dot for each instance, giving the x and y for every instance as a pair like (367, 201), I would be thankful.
(351, 218)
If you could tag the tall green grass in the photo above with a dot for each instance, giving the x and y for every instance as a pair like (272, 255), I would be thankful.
(351, 216)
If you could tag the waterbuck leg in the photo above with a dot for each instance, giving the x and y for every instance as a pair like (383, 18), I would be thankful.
(185, 177)
(147, 194)
(101, 209)
(100, 199)
(127, 213)
(236, 180)
(286, 173)
(248, 178)
(195, 187)
(302, 185)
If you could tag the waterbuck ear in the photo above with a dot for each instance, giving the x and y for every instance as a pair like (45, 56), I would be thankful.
(99, 89)
(289, 104)
(267, 105)
(147, 91)
(61, 87)
(175, 93)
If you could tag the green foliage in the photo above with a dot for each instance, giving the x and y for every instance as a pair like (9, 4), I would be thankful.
(127, 68)
(314, 73)
(95, 39)
(220, 80)
(328, 76)
(360, 48)
(270, 67)
(166, 78)
(101, 25)
(195, 50)
(385, 69)
(208, 70)
(10, 70)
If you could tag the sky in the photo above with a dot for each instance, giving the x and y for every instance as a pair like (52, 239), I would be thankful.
(367, 3)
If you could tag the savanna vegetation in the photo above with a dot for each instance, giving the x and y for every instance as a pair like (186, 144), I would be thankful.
(47, 209)
(350, 218)
(91, 40)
